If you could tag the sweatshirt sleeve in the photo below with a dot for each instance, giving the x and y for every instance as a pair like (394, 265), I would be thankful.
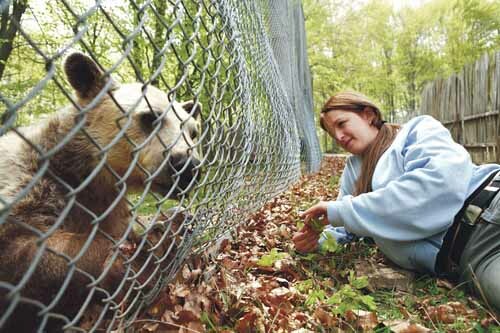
(419, 203)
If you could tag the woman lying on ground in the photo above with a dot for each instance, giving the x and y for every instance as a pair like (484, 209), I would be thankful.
(415, 192)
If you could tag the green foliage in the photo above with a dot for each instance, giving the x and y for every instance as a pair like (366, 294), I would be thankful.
(149, 204)
(304, 285)
(206, 319)
(330, 245)
(390, 54)
(315, 296)
(300, 224)
(349, 297)
(269, 259)
(358, 283)
(334, 182)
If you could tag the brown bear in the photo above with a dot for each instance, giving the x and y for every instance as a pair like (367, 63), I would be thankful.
(63, 207)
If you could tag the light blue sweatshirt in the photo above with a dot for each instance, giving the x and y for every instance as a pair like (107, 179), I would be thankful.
(419, 184)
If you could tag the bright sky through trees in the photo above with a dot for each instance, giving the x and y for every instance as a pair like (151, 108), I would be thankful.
(398, 4)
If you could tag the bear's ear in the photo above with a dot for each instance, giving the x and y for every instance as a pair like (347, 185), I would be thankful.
(194, 109)
(84, 75)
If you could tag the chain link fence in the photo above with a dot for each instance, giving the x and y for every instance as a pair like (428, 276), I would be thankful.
(181, 118)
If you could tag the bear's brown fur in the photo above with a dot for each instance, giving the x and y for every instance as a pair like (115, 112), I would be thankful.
(129, 138)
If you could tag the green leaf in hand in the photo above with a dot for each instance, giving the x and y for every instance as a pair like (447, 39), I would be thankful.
(317, 225)
(330, 245)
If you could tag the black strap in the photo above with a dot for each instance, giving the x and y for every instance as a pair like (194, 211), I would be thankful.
(479, 197)
(484, 197)
(459, 233)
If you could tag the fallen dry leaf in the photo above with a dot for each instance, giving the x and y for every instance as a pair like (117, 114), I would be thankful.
(442, 313)
(401, 326)
(363, 320)
(444, 284)
(325, 318)
(250, 321)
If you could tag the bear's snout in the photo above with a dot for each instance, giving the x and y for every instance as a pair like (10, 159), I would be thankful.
(179, 176)
(185, 168)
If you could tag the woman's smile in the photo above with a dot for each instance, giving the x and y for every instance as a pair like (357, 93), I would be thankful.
(347, 143)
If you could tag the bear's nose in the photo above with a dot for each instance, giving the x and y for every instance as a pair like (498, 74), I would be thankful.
(185, 167)
(183, 163)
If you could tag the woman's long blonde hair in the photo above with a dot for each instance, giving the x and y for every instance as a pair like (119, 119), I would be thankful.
(356, 102)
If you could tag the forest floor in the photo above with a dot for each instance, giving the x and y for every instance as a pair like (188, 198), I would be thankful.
(257, 282)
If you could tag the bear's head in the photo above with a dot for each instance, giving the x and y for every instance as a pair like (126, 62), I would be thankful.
(145, 137)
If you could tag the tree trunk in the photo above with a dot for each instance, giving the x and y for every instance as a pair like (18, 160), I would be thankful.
(138, 54)
(9, 24)
(390, 94)
(159, 37)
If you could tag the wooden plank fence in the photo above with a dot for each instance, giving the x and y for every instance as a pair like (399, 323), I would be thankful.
(468, 104)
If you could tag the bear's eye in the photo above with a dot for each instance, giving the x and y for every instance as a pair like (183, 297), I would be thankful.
(148, 121)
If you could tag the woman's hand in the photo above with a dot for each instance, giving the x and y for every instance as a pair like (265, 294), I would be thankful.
(306, 240)
(318, 211)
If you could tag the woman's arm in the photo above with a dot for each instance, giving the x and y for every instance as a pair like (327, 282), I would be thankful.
(347, 182)
(308, 238)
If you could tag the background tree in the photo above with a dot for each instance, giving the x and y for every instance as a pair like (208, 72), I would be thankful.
(11, 15)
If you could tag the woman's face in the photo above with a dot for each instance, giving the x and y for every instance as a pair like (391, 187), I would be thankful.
(352, 130)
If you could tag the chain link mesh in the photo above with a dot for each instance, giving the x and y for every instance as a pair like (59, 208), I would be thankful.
(103, 200)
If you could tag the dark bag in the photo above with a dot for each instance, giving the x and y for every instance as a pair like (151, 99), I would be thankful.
(464, 223)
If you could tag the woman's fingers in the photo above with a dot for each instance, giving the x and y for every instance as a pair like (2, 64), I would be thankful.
(310, 213)
(317, 210)
(302, 235)
(305, 241)
(306, 246)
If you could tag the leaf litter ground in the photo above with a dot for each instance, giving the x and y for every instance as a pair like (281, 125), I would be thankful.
(256, 282)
